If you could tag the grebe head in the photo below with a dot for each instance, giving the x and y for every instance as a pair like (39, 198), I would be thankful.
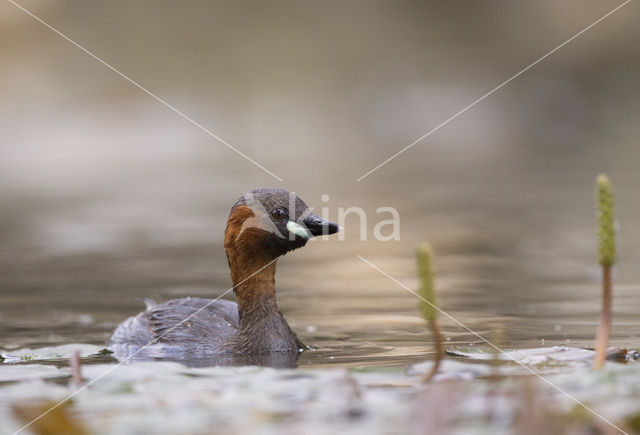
(269, 223)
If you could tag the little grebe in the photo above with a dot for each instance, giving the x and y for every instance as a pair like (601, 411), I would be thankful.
(263, 225)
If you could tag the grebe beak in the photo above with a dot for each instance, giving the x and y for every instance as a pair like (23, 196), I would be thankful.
(318, 226)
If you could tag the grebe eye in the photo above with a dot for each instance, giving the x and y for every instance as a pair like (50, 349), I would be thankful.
(279, 213)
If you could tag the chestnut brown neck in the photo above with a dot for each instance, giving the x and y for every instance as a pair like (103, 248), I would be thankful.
(262, 325)
(253, 272)
(254, 286)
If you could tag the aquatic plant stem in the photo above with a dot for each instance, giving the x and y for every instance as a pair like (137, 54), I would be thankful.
(604, 328)
(437, 337)
(428, 305)
(607, 255)
(76, 369)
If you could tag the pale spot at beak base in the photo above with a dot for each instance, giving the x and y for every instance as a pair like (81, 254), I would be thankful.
(298, 230)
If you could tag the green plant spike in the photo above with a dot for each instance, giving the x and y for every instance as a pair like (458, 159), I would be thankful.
(606, 218)
(425, 275)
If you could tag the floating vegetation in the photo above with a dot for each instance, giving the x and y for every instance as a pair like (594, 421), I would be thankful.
(163, 397)
(51, 353)
(48, 418)
(552, 356)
